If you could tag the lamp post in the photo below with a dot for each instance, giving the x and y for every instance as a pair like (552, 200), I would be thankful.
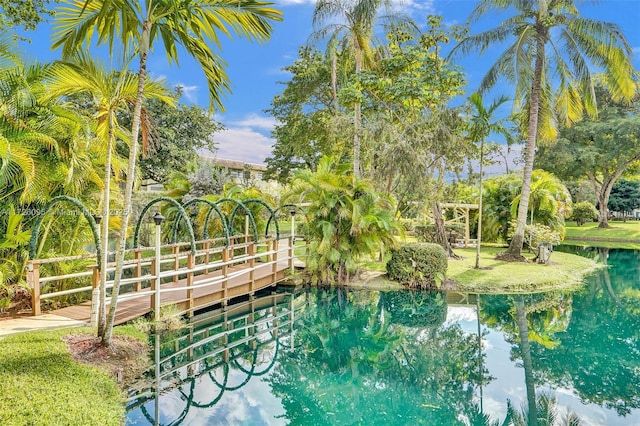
(95, 293)
(292, 212)
(157, 219)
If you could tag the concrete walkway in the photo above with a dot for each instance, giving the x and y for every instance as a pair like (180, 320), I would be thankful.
(42, 322)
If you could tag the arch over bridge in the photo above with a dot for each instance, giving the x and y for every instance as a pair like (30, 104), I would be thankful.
(201, 275)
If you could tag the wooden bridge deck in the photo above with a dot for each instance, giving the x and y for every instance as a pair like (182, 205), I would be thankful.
(236, 285)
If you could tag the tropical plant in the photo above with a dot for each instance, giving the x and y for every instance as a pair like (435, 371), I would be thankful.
(537, 59)
(111, 93)
(481, 125)
(138, 25)
(549, 203)
(346, 219)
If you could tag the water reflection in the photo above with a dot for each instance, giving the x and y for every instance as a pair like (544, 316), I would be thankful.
(216, 355)
(338, 356)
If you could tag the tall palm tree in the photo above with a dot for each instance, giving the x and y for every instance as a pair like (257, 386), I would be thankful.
(356, 20)
(111, 92)
(138, 25)
(481, 125)
(552, 45)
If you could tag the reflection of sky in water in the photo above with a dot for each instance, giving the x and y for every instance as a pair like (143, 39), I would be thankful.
(508, 379)
(254, 404)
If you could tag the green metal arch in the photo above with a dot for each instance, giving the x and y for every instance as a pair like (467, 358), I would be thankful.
(33, 242)
(272, 214)
(181, 212)
(246, 210)
(266, 231)
(212, 207)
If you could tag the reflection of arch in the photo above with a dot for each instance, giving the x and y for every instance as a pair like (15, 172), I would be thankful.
(258, 373)
(182, 415)
(212, 207)
(181, 211)
(33, 242)
(272, 214)
(247, 212)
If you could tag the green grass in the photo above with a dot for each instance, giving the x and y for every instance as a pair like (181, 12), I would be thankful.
(563, 271)
(43, 385)
(619, 232)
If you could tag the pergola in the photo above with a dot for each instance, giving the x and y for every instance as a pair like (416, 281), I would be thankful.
(460, 216)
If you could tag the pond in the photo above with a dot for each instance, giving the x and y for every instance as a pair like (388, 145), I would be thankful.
(351, 357)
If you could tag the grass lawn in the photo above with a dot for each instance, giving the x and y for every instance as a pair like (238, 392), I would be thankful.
(43, 385)
(563, 271)
(619, 232)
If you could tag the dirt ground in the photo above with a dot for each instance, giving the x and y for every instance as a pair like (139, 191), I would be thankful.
(126, 360)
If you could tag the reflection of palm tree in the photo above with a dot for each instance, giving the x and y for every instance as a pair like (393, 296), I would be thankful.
(525, 350)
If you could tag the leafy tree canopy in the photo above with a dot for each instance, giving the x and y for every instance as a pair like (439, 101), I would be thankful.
(625, 196)
(23, 13)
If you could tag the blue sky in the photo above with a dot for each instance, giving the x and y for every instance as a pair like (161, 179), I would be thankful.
(255, 69)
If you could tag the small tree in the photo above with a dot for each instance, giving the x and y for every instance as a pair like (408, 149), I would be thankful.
(346, 219)
(584, 211)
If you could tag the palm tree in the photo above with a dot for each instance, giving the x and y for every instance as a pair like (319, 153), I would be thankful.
(356, 31)
(111, 93)
(346, 220)
(549, 201)
(574, 43)
(480, 127)
(138, 25)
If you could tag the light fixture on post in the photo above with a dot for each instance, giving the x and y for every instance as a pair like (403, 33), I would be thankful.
(292, 212)
(157, 219)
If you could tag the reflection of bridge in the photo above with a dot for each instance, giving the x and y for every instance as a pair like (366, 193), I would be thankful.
(189, 275)
(244, 338)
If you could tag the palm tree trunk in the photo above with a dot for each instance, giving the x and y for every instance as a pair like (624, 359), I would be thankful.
(128, 191)
(479, 239)
(356, 122)
(104, 234)
(527, 362)
(334, 79)
(515, 248)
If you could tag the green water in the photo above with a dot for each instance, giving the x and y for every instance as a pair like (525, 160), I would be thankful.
(347, 357)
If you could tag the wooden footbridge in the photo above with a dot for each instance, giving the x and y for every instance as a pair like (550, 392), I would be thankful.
(185, 275)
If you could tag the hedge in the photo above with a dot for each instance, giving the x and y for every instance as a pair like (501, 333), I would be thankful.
(421, 265)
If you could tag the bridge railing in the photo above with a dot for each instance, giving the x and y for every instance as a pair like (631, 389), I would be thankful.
(145, 272)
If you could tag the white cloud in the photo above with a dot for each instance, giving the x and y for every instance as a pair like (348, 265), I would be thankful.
(636, 50)
(243, 144)
(255, 120)
(296, 2)
(189, 92)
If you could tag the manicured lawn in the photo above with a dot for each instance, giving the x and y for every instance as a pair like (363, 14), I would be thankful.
(564, 270)
(43, 385)
(619, 231)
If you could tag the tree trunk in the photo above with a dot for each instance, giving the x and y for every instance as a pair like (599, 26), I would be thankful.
(104, 235)
(479, 236)
(128, 191)
(525, 350)
(441, 233)
(515, 248)
(356, 122)
(334, 79)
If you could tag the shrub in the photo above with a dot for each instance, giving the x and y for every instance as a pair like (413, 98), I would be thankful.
(420, 265)
(583, 212)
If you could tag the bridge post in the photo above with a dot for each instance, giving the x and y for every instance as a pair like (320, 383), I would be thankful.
(154, 289)
(33, 282)
(206, 247)
(95, 295)
(190, 265)
(225, 273)
(292, 247)
(252, 266)
(175, 250)
(137, 256)
(274, 265)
